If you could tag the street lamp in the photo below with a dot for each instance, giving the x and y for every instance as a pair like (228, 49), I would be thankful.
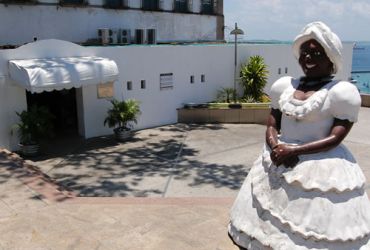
(236, 32)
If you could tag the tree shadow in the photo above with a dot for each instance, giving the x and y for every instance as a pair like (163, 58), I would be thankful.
(141, 167)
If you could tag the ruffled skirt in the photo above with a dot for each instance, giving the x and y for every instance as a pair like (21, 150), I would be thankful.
(319, 204)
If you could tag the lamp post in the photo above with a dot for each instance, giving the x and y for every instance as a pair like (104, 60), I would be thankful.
(236, 32)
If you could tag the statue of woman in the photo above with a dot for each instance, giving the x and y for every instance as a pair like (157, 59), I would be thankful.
(306, 190)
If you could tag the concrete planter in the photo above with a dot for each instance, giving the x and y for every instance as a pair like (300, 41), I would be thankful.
(254, 114)
(30, 150)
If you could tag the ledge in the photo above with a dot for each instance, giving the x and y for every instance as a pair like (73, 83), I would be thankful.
(257, 115)
(365, 100)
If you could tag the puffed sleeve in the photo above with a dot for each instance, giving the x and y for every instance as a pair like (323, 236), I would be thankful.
(277, 89)
(345, 101)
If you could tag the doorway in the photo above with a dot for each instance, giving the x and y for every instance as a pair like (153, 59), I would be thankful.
(62, 104)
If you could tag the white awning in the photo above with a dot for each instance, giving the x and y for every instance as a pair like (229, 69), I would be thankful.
(47, 74)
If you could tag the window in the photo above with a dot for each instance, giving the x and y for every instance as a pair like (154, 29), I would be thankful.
(129, 85)
(116, 4)
(73, 2)
(166, 81)
(202, 78)
(279, 71)
(19, 1)
(150, 4)
(191, 79)
(151, 38)
(105, 90)
(207, 7)
(143, 84)
(181, 6)
(286, 70)
(139, 36)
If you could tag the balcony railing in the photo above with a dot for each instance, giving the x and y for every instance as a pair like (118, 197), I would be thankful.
(150, 4)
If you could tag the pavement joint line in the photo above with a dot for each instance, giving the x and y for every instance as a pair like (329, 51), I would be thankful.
(72, 152)
(227, 150)
(8, 206)
(174, 164)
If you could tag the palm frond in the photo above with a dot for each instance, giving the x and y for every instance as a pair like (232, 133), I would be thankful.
(253, 76)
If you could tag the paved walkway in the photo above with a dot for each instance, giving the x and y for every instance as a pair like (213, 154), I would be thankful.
(170, 188)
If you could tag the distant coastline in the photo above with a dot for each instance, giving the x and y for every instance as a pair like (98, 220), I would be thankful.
(359, 44)
(360, 71)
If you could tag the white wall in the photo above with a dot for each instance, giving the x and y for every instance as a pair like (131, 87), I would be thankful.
(148, 62)
(138, 63)
(19, 24)
(12, 99)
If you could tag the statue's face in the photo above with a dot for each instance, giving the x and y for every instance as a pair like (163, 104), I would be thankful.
(314, 61)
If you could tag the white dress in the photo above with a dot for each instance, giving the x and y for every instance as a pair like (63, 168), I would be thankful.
(319, 204)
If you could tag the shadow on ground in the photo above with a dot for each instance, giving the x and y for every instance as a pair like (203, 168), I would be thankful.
(143, 166)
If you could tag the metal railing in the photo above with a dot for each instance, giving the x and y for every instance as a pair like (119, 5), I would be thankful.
(150, 5)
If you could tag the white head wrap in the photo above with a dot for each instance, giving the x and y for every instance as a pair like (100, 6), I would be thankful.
(328, 40)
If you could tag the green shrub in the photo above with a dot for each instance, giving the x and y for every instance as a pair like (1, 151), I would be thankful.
(34, 124)
(253, 76)
(226, 95)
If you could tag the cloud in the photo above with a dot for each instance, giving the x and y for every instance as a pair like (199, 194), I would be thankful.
(361, 8)
(283, 19)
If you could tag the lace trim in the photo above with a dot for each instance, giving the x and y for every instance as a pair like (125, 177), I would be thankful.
(300, 109)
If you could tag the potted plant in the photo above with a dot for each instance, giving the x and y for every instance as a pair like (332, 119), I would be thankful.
(253, 79)
(34, 124)
(121, 116)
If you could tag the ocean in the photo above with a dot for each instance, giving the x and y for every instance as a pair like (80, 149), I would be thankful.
(361, 66)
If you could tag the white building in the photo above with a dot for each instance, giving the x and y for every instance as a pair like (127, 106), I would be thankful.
(193, 73)
(23, 21)
(71, 78)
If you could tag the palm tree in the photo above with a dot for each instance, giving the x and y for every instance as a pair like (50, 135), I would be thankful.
(122, 114)
(253, 78)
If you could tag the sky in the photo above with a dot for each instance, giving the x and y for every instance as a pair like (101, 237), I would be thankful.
(284, 19)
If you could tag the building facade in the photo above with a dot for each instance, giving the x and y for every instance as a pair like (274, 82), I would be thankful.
(128, 21)
(70, 77)
(162, 77)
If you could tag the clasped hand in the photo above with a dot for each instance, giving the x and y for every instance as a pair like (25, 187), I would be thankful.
(284, 154)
